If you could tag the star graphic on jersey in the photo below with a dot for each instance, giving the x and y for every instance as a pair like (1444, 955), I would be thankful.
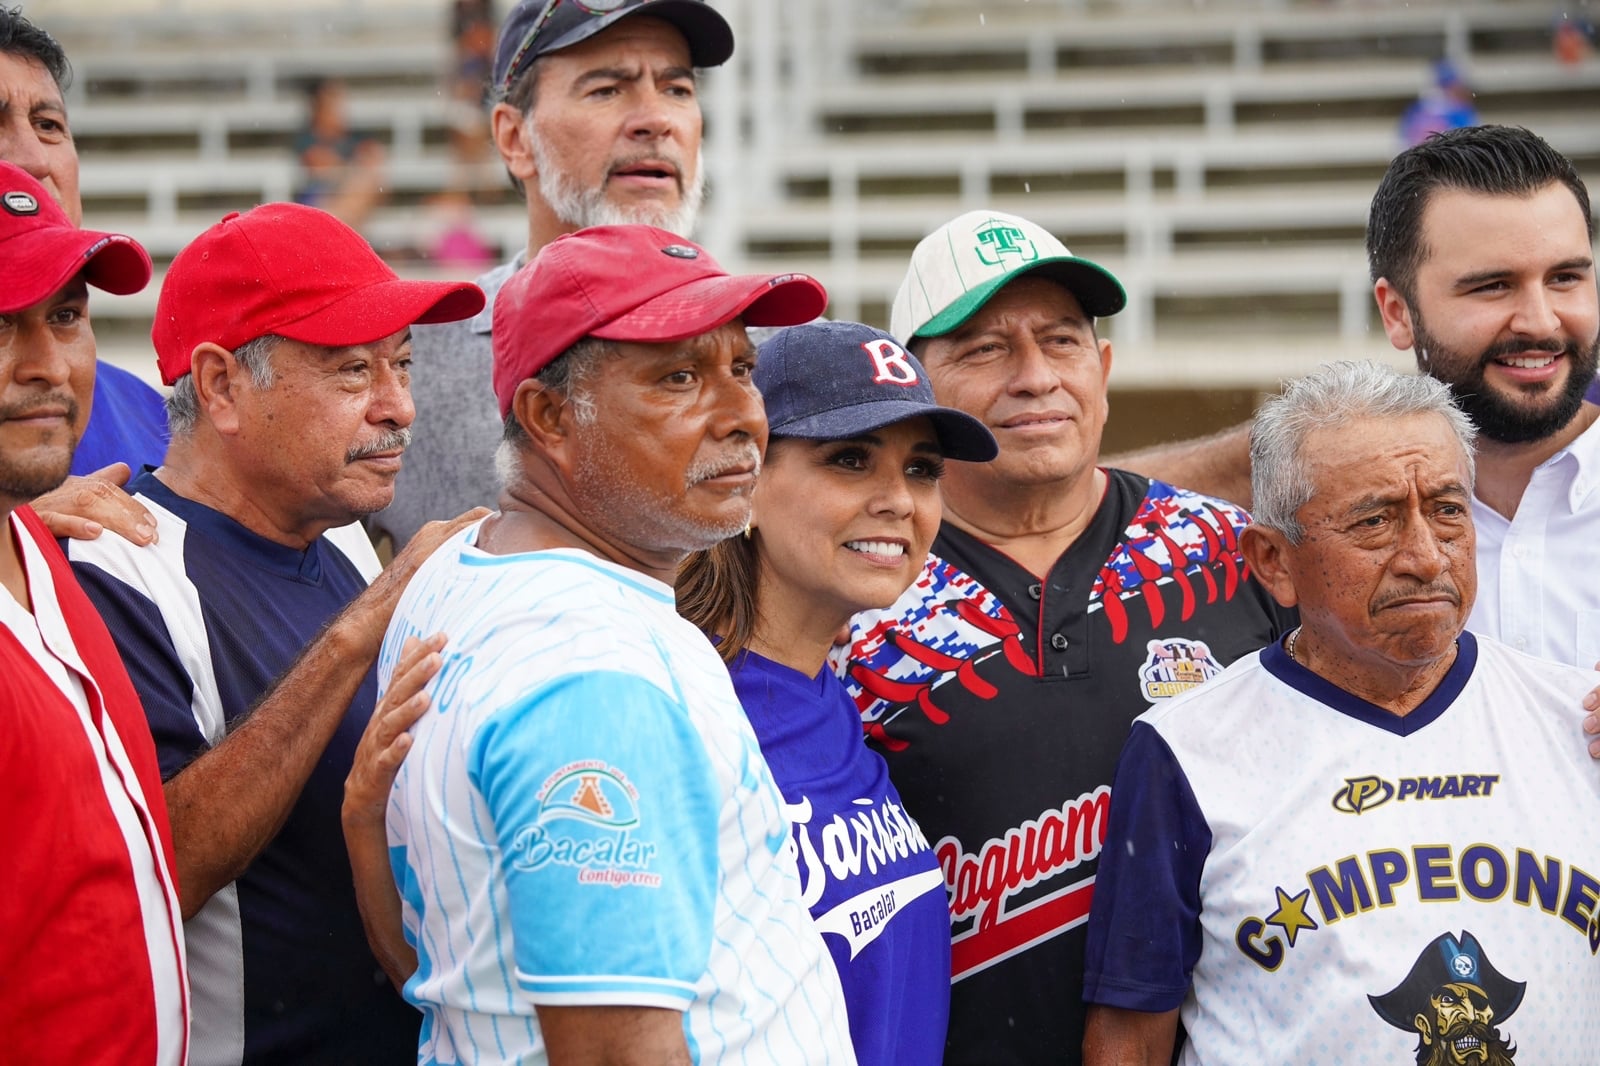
(1291, 914)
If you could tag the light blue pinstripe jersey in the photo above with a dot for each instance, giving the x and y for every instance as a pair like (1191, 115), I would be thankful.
(585, 818)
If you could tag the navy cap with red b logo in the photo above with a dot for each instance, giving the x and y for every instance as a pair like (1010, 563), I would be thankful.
(836, 380)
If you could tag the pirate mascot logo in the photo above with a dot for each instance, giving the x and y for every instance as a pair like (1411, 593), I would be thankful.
(1451, 998)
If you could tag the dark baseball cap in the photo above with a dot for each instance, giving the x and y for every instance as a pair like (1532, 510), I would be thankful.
(836, 380)
(539, 27)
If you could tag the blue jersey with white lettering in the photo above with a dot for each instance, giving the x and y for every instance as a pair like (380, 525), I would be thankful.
(869, 875)
(127, 424)
(585, 819)
(1315, 880)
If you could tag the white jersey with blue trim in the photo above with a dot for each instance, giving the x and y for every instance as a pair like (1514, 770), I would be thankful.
(585, 819)
(1315, 880)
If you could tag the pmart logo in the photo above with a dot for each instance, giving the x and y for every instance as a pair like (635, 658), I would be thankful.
(1000, 240)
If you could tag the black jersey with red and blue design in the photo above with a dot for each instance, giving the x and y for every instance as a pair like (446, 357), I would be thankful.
(1001, 703)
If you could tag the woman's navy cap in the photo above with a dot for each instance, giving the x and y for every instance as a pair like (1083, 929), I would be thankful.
(836, 380)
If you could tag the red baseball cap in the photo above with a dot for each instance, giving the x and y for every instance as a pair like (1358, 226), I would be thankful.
(41, 250)
(296, 272)
(630, 283)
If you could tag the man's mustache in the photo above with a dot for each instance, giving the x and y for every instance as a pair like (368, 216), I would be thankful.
(644, 158)
(1553, 345)
(393, 440)
(1437, 590)
(1475, 1029)
(742, 456)
(28, 407)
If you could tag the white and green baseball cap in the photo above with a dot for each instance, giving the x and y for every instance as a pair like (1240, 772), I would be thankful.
(959, 266)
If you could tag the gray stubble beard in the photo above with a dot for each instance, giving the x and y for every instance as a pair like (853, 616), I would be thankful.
(583, 207)
(672, 528)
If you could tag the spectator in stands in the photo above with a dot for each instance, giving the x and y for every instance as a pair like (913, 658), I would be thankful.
(91, 939)
(633, 158)
(1448, 105)
(472, 34)
(128, 423)
(1257, 872)
(623, 893)
(1571, 38)
(455, 242)
(343, 172)
(251, 637)
(472, 31)
(1060, 599)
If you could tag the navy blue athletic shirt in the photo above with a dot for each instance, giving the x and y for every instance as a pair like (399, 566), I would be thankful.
(869, 875)
(279, 966)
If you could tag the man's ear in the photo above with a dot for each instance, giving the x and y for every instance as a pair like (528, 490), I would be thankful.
(1396, 314)
(218, 381)
(1266, 553)
(509, 128)
(545, 416)
(1104, 344)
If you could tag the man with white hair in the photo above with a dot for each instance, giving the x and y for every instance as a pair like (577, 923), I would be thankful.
(597, 121)
(1330, 841)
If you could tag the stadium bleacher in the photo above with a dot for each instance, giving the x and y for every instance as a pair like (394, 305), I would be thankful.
(1219, 158)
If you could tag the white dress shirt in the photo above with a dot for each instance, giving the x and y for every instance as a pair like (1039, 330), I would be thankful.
(1539, 573)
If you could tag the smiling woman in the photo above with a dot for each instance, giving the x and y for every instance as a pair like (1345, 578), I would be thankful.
(845, 510)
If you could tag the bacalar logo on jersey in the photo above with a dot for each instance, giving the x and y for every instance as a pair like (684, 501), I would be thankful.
(588, 812)
(1175, 666)
(590, 792)
(1453, 1001)
(999, 241)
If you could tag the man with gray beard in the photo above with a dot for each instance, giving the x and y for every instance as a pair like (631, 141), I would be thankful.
(250, 637)
(597, 121)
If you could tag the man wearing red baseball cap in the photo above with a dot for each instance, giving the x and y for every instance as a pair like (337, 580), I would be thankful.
(250, 636)
(90, 932)
(592, 848)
